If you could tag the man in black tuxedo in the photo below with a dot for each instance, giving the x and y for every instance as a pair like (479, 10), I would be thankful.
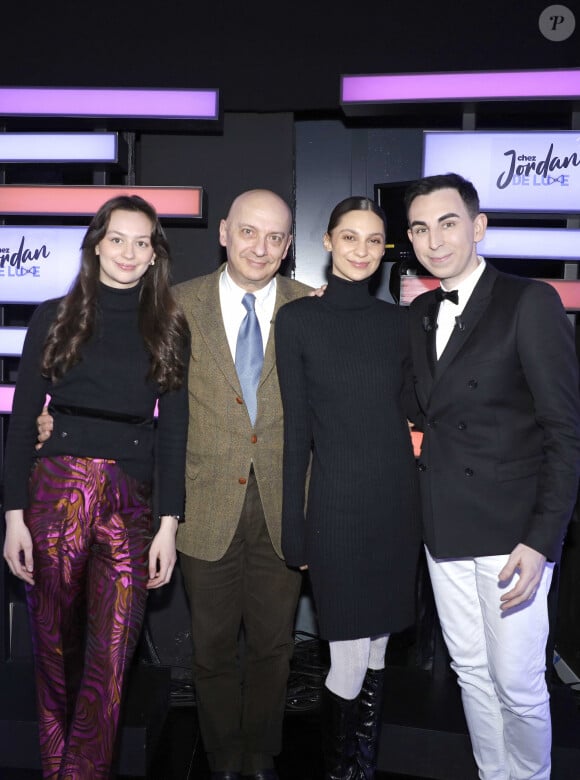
(496, 378)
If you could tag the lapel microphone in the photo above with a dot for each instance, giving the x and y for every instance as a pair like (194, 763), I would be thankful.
(460, 324)
(427, 324)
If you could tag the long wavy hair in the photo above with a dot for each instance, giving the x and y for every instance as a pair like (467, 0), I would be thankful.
(161, 323)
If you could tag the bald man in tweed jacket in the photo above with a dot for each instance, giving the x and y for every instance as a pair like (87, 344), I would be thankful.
(222, 442)
(229, 544)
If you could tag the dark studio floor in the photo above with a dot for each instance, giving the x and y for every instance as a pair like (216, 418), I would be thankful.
(299, 760)
(160, 738)
(423, 736)
(180, 755)
(423, 733)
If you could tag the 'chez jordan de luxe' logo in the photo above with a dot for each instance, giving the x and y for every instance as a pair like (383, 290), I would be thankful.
(20, 262)
(546, 170)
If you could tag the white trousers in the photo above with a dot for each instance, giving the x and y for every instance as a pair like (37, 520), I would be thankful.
(500, 661)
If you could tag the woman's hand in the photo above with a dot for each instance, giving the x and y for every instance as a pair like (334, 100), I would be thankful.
(18, 546)
(162, 553)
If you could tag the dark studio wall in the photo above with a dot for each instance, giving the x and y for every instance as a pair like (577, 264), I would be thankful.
(267, 56)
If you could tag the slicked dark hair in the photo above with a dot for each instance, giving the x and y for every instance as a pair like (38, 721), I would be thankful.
(161, 323)
(355, 203)
(451, 181)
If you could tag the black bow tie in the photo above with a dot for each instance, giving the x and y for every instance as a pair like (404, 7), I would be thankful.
(443, 295)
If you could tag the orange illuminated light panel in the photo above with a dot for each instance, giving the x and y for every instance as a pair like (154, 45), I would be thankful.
(567, 289)
(176, 202)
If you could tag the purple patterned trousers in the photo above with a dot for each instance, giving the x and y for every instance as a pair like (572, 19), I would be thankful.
(91, 529)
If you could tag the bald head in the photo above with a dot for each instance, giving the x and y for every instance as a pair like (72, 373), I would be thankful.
(257, 236)
(263, 201)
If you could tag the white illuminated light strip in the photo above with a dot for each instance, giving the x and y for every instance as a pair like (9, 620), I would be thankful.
(11, 341)
(531, 243)
(58, 147)
(37, 263)
(522, 172)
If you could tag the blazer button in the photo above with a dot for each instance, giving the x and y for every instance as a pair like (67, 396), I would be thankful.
(432, 424)
(239, 400)
(63, 435)
(135, 442)
(468, 472)
(421, 466)
(242, 480)
(254, 439)
(472, 384)
(462, 426)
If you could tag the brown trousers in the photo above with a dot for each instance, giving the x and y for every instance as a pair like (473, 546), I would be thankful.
(241, 685)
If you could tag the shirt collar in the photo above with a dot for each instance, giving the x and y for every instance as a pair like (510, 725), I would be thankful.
(467, 286)
(234, 290)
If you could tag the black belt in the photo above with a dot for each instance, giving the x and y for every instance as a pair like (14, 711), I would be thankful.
(99, 414)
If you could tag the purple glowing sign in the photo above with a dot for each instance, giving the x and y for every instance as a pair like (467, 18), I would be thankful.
(6, 396)
(184, 104)
(485, 85)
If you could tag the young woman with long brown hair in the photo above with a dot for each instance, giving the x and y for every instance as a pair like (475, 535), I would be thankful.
(79, 518)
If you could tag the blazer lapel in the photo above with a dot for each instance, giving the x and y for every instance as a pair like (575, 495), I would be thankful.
(423, 344)
(206, 310)
(430, 327)
(473, 312)
(270, 354)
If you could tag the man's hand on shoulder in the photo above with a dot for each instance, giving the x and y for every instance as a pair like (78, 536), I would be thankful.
(529, 563)
(44, 425)
(319, 292)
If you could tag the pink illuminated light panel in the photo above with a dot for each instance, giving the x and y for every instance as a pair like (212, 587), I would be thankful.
(6, 396)
(490, 85)
(143, 103)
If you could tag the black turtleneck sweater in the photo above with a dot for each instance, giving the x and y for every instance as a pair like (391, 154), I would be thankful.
(112, 377)
(342, 363)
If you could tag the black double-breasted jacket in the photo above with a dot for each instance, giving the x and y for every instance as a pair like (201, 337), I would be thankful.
(500, 412)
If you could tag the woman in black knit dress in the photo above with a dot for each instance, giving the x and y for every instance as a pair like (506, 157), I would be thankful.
(343, 368)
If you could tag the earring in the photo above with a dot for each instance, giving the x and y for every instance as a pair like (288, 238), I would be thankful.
(152, 261)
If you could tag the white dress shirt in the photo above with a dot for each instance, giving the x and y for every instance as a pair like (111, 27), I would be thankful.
(450, 312)
(233, 311)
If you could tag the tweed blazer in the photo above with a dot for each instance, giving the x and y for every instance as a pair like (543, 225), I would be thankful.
(221, 443)
(501, 406)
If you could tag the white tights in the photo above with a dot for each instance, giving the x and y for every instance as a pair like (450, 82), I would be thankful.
(349, 661)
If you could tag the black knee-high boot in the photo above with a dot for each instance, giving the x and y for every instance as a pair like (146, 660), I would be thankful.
(339, 718)
(369, 710)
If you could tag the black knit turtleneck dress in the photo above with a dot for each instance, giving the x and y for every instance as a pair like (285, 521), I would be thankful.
(342, 363)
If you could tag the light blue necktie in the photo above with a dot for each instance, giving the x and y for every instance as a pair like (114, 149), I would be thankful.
(250, 355)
